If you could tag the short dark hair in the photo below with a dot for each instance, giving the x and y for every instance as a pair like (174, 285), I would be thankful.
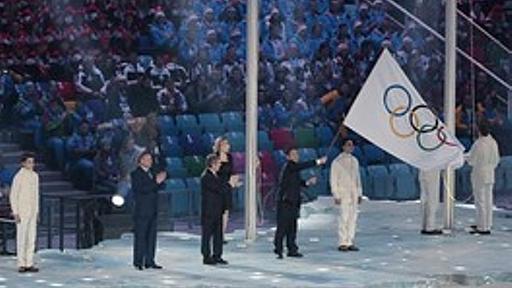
(26, 156)
(210, 159)
(290, 149)
(144, 153)
(344, 141)
(484, 128)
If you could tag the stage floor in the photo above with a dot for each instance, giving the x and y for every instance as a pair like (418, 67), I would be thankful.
(393, 254)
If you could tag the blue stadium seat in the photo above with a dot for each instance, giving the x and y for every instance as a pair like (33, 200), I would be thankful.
(211, 123)
(307, 154)
(179, 197)
(237, 141)
(187, 123)
(358, 153)
(324, 135)
(167, 125)
(264, 143)
(171, 146)
(280, 158)
(331, 153)
(405, 185)
(506, 163)
(500, 175)
(233, 121)
(175, 168)
(192, 144)
(207, 140)
(373, 154)
(381, 181)
(365, 182)
(194, 185)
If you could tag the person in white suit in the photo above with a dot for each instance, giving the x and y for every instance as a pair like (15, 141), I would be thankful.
(429, 198)
(24, 199)
(483, 158)
(347, 191)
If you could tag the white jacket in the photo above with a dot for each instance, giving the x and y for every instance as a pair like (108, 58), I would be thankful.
(345, 178)
(24, 195)
(483, 157)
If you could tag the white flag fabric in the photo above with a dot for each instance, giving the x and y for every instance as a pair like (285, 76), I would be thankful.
(390, 113)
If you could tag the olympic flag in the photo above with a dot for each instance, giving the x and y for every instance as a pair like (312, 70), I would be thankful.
(390, 113)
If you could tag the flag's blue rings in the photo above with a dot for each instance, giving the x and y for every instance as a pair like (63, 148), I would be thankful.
(407, 106)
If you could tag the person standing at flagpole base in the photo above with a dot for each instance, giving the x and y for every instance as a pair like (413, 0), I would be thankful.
(24, 200)
(347, 192)
(289, 200)
(483, 158)
(429, 198)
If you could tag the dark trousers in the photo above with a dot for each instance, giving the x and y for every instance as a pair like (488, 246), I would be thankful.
(144, 241)
(286, 227)
(211, 230)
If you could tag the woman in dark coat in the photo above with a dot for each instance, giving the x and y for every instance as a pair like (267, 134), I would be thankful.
(221, 148)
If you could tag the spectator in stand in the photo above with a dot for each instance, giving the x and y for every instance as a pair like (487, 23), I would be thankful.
(163, 32)
(106, 168)
(171, 100)
(81, 147)
(142, 97)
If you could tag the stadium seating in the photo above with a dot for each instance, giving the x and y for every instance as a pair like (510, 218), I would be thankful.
(211, 122)
(380, 181)
(305, 138)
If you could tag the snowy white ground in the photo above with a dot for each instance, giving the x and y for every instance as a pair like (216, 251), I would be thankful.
(393, 254)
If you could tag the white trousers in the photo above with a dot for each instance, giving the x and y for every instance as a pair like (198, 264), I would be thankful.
(347, 223)
(26, 241)
(483, 204)
(429, 199)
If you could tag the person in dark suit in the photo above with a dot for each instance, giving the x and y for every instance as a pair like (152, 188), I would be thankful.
(288, 202)
(145, 186)
(213, 190)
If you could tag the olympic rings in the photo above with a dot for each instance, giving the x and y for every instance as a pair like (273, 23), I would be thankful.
(393, 111)
(416, 127)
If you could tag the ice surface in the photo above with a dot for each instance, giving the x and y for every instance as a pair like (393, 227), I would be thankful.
(393, 254)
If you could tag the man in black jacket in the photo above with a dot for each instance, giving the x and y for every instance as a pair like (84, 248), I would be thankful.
(288, 202)
(145, 185)
(212, 207)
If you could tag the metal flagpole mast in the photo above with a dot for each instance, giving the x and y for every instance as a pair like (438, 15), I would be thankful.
(251, 126)
(449, 102)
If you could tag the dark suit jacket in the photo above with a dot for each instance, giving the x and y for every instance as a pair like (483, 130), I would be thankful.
(145, 191)
(213, 189)
(290, 182)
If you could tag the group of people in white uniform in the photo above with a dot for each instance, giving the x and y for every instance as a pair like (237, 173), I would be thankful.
(345, 184)
(346, 188)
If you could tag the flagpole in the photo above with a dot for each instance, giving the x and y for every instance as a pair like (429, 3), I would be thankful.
(449, 104)
(251, 136)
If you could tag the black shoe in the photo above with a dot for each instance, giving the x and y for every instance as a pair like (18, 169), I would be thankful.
(474, 227)
(139, 267)
(295, 254)
(343, 248)
(224, 242)
(221, 261)
(22, 269)
(353, 248)
(209, 261)
(154, 266)
(32, 269)
(279, 254)
(432, 232)
(480, 232)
